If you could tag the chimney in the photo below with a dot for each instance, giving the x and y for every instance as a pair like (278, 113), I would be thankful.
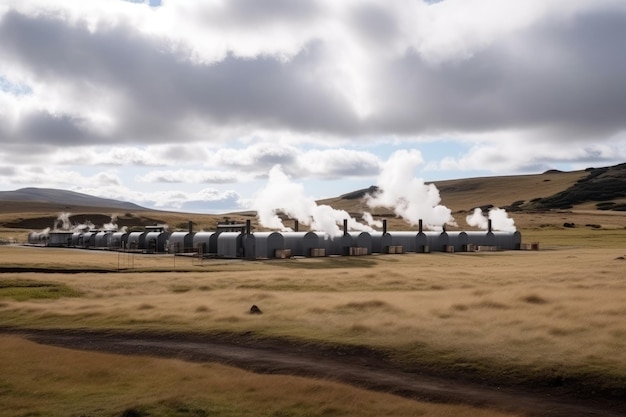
(296, 225)
(443, 229)
(345, 226)
(190, 226)
(489, 226)
(248, 227)
(384, 226)
(421, 225)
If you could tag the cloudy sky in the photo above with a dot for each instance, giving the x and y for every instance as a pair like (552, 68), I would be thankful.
(187, 105)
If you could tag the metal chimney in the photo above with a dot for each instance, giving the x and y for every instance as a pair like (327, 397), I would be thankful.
(384, 226)
(421, 225)
(345, 226)
(248, 226)
(296, 225)
(190, 226)
(489, 226)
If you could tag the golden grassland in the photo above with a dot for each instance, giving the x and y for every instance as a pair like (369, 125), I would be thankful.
(516, 315)
(41, 380)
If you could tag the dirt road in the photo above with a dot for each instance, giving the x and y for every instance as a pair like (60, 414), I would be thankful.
(358, 366)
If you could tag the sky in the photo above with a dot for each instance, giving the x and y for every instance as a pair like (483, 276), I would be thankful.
(188, 105)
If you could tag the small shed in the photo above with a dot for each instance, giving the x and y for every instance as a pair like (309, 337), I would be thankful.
(77, 239)
(155, 241)
(362, 240)
(508, 240)
(458, 240)
(89, 239)
(338, 245)
(180, 242)
(263, 244)
(379, 241)
(408, 240)
(59, 238)
(229, 245)
(205, 242)
(293, 241)
(136, 240)
(481, 238)
(102, 239)
(314, 243)
(118, 240)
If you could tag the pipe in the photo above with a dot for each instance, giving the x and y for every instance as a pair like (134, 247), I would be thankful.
(345, 226)
(421, 225)
(384, 226)
(248, 227)
(296, 226)
(190, 226)
(489, 226)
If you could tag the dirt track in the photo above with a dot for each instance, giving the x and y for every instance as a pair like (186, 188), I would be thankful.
(359, 367)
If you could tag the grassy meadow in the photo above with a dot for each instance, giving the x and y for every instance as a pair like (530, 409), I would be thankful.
(530, 317)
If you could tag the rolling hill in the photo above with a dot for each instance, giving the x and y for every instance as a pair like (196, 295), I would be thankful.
(63, 197)
(593, 196)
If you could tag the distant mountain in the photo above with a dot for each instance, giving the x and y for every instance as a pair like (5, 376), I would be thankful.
(69, 198)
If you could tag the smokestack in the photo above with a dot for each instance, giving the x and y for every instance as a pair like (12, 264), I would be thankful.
(384, 226)
(296, 225)
(489, 226)
(345, 226)
(248, 227)
(443, 228)
(421, 225)
(190, 226)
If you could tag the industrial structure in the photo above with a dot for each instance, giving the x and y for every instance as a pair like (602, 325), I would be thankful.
(238, 241)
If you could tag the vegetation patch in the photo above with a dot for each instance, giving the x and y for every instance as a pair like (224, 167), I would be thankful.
(22, 290)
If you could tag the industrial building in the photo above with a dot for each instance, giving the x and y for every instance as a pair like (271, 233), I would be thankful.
(238, 241)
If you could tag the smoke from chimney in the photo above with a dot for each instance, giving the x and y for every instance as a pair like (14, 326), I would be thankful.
(500, 220)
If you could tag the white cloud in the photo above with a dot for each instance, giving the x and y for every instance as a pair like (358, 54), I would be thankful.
(239, 86)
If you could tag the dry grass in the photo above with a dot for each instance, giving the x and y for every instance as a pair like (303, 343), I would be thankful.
(50, 381)
(526, 314)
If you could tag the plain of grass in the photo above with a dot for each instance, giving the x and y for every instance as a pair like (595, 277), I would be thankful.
(518, 316)
(49, 381)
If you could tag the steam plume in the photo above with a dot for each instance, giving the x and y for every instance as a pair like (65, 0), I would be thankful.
(500, 220)
(282, 195)
(409, 197)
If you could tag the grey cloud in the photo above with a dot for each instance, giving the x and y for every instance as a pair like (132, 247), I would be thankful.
(161, 89)
(564, 78)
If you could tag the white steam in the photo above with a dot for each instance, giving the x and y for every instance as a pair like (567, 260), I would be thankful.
(281, 195)
(408, 196)
(63, 222)
(369, 219)
(500, 220)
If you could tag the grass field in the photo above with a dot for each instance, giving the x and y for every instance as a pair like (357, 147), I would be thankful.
(517, 317)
